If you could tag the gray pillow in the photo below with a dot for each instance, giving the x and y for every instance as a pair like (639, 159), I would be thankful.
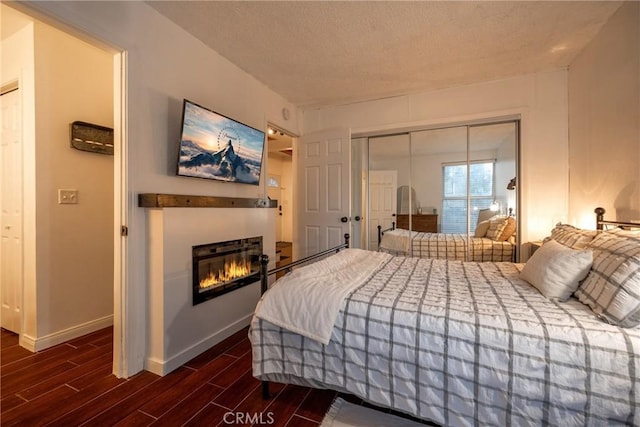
(482, 228)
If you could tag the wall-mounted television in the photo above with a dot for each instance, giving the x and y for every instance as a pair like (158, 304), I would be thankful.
(213, 146)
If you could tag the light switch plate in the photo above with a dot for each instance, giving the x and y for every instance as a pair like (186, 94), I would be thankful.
(67, 197)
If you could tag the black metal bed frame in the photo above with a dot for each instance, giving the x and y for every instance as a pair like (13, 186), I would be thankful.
(265, 273)
(381, 231)
(601, 222)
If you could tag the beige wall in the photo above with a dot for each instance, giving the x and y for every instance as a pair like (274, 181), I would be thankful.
(74, 242)
(604, 122)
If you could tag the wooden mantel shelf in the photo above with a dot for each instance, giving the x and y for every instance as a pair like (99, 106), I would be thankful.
(156, 200)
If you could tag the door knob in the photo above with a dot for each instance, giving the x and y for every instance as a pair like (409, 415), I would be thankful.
(393, 214)
(357, 218)
(344, 219)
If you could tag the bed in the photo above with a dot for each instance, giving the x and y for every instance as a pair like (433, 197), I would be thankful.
(492, 240)
(459, 343)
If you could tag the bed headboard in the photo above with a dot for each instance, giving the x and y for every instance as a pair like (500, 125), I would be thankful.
(601, 222)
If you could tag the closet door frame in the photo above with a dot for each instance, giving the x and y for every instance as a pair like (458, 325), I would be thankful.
(510, 118)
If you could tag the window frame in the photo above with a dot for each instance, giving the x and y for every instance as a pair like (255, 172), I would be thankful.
(470, 227)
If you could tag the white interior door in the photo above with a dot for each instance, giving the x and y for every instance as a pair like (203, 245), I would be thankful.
(11, 206)
(382, 202)
(275, 193)
(324, 190)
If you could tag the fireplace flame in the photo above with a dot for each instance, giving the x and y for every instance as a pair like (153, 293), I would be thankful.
(232, 270)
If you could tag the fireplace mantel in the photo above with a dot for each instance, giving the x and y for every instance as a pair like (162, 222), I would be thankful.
(158, 200)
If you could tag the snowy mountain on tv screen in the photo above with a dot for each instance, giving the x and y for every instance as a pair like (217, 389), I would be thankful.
(225, 164)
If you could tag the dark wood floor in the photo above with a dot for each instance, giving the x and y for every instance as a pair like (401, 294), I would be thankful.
(71, 384)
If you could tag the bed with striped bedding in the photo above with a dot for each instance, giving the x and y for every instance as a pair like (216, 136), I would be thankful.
(446, 246)
(455, 343)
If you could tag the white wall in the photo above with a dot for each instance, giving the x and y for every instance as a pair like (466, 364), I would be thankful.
(164, 65)
(541, 101)
(604, 118)
(505, 171)
(424, 172)
(178, 330)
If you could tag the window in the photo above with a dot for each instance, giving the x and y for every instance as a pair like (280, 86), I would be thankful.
(454, 200)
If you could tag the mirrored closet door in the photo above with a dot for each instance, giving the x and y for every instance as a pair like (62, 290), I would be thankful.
(447, 181)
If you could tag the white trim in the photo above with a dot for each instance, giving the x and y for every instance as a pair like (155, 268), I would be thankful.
(163, 367)
(438, 123)
(120, 205)
(59, 337)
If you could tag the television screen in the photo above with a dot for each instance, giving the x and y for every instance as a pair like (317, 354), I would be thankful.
(213, 146)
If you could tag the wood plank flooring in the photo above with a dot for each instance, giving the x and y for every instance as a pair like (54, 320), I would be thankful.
(71, 385)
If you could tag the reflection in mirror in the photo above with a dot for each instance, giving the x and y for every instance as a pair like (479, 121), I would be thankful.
(448, 180)
(431, 150)
(501, 139)
(388, 169)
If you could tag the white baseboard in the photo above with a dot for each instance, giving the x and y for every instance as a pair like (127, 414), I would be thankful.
(160, 367)
(42, 343)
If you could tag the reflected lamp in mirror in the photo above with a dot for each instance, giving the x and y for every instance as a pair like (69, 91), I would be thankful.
(495, 206)
(512, 184)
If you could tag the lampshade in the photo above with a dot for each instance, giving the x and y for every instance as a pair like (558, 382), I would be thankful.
(512, 184)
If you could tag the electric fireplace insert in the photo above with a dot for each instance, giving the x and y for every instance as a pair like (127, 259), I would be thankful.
(222, 267)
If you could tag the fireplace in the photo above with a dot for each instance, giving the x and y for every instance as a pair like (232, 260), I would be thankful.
(222, 267)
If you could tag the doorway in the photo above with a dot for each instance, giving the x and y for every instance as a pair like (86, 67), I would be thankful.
(279, 182)
(71, 200)
(383, 185)
(11, 221)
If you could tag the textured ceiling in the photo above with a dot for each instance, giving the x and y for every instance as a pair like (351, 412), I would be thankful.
(330, 52)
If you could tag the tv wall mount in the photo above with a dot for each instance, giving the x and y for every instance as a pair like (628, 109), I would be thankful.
(94, 138)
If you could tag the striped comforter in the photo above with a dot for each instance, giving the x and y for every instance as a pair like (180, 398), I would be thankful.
(463, 344)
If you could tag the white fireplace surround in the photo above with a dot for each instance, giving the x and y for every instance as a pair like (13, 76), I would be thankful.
(177, 330)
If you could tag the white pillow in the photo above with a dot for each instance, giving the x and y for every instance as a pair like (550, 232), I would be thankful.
(556, 270)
